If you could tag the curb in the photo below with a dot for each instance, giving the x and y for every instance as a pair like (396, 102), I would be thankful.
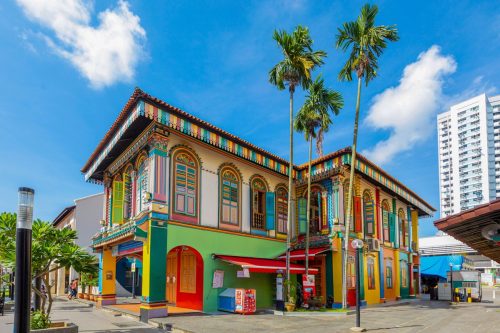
(314, 314)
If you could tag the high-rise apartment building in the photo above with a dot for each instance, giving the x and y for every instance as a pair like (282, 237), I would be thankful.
(469, 154)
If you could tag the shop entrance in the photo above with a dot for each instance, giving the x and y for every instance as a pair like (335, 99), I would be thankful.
(185, 278)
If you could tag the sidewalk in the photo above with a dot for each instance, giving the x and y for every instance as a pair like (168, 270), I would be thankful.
(87, 318)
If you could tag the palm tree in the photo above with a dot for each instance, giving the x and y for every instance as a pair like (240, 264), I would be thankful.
(294, 70)
(366, 42)
(313, 119)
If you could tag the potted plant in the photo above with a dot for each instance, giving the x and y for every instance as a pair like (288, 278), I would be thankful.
(292, 290)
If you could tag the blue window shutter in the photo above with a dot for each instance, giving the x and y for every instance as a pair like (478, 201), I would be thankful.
(270, 211)
(302, 215)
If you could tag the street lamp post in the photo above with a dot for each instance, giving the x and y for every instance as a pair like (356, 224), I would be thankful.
(357, 244)
(23, 261)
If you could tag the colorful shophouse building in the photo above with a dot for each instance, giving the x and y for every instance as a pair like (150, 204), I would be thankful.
(187, 200)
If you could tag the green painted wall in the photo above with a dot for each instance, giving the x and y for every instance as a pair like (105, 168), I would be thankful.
(208, 242)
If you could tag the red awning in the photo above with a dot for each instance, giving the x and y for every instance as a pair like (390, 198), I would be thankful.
(301, 254)
(263, 265)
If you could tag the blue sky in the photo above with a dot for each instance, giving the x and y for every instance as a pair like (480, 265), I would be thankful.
(68, 70)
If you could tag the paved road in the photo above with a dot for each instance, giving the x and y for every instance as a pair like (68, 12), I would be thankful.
(423, 316)
(88, 319)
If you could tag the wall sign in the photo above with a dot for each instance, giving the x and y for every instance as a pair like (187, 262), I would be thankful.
(218, 280)
(245, 273)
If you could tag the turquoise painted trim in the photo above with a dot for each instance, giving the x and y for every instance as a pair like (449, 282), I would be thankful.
(258, 232)
(159, 216)
(100, 274)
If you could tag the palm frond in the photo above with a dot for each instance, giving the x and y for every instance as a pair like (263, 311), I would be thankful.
(299, 59)
(367, 43)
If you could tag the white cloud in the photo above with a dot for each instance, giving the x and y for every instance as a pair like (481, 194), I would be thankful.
(409, 109)
(104, 54)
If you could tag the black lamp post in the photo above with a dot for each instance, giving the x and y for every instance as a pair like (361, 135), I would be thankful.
(358, 245)
(23, 261)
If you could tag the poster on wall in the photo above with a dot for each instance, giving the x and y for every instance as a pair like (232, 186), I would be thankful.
(218, 280)
(279, 287)
(245, 273)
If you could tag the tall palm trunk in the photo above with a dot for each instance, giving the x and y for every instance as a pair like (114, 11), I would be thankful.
(308, 205)
(349, 197)
(290, 180)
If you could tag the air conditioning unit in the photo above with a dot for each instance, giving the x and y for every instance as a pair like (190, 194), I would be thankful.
(373, 244)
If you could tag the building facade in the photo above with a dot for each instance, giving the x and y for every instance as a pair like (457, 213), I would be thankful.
(204, 210)
(84, 217)
(469, 154)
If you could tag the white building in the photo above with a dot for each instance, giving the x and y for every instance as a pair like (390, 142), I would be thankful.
(469, 154)
(84, 217)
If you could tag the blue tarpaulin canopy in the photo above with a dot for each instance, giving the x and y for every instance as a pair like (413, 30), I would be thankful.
(440, 265)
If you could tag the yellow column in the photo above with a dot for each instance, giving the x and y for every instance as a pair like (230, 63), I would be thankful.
(107, 279)
(397, 271)
(337, 272)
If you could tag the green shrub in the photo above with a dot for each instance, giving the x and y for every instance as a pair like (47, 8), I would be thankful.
(39, 320)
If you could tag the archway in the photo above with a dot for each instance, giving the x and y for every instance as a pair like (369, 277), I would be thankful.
(125, 278)
(185, 278)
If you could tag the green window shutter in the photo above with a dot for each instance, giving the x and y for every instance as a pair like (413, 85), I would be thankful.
(385, 220)
(302, 215)
(270, 211)
(117, 214)
(392, 227)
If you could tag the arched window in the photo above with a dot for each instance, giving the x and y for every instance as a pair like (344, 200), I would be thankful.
(259, 190)
(185, 187)
(141, 184)
(402, 227)
(368, 213)
(316, 211)
(282, 209)
(128, 190)
(230, 196)
(370, 266)
(385, 220)
(388, 273)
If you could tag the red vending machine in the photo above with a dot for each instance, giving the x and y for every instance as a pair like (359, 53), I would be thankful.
(245, 301)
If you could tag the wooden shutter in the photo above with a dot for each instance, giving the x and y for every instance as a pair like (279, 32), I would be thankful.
(392, 227)
(386, 236)
(270, 216)
(324, 217)
(358, 222)
(117, 213)
(369, 217)
(302, 215)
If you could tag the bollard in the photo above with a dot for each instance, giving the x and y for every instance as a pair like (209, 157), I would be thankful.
(493, 293)
(456, 295)
(469, 295)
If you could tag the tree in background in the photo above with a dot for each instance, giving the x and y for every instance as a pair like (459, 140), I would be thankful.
(313, 119)
(52, 249)
(366, 42)
(294, 70)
